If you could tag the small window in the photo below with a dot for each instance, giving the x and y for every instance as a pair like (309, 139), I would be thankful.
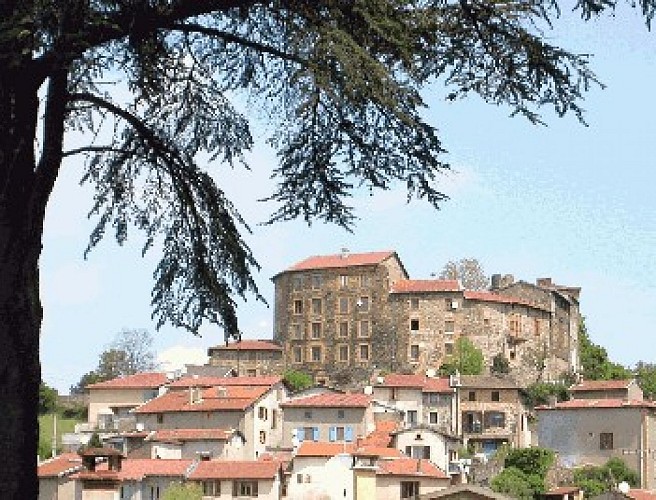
(298, 306)
(449, 326)
(316, 330)
(448, 348)
(365, 280)
(274, 418)
(414, 352)
(298, 355)
(606, 441)
(414, 325)
(495, 419)
(495, 396)
(160, 418)
(412, 416)
(340, 413)
(364, 352)
(299, 478)
(262, 413)
(308, 415)
(244, 489)
(262, 437)
(472, 396)
(212, 488)
(297, 283)
(316, 353)
(343, 281)
(297, 331)
(433, 418)
(343, 329)
(409, 489)
(414, 303)
(363, 304)
(343, 353)
(316, 306)
(364, 328)
(343, 305)
(316, 281)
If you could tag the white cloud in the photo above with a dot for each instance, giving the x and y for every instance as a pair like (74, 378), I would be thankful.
(176, 357)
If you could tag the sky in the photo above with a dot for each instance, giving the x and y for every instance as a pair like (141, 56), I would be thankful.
(566, 201)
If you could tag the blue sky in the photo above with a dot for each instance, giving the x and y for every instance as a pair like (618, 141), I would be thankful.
(564, 201)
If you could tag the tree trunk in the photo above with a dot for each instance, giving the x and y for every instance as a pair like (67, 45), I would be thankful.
(21, 222)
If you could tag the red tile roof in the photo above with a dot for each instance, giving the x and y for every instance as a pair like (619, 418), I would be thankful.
(637, 494)
(341, 260)
(323, 449)
(426, 384)
(186, 382)
(175, 435)
(485, 296)
(601, 385)
(418, 286)
(378, 451)
(381, 435)
(219, 469)
(138, 468)
(211, 399)
(136, 381)
(248, 345)
(331, 400)
(579, 404)
(410, 467)
(66, 463)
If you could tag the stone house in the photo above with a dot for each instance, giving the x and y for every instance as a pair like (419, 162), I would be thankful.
(607, 389)
(249, 358)
(424, 400)
(491, 413)
(227, 444)
(253, 410)
(591, 431)
(331, 417)
(331, 314)
(239, 479)
(348, 316)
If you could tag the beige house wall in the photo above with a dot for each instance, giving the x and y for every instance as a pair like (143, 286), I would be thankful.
(359, 419)
(59, 488)
(106, 399)
(413, 399)
(389, 487)
(321, 478)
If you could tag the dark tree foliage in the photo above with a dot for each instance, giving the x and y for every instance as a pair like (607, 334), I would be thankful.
(150, 84)
(47, 399)
(500, 365)
(595, 480)
(524, 472)
(538, 394)
(595, 363)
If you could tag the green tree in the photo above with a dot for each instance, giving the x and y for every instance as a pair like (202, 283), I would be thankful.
(500, 365)
(514, 483)
(595, 480)
(47, 399)
(595, 364)
(183, 491)
(468, 271)
(645, 374)
(297, 380)
(467, 359)
(524, 472)
(95, 441)
(538, 394)
(151, 86)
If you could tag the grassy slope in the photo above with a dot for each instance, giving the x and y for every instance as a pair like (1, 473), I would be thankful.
(64, 425)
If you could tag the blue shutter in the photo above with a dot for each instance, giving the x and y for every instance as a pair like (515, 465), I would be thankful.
(332, 434)
(315, 434)
(348, 434)
(300, 434)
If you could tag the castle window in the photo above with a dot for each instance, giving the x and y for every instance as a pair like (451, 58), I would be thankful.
(316, 353)
(298, 355)
(365, 280)
(495, 396)
(343, 329)
(297, 331)
(297, 283)
(414, 352)
(316, 330)
(414, 325)
(364, 328)
(495, 419)
(449, 326)
(343, 281)
(316, 306)
(434, 418)
(343, 353)
(363, 304)
(364, 352)
(343, 305)
(414, 303)
(298, 306)
(471, 396)
(448, 348)
(317, 281)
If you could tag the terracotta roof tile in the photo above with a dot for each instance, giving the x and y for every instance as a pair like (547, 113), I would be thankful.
(248, 345)
(485, 296)
(341, 260)
(323, 449)
(378, 451)
(419, 286)
(578, 404)
(65, 463)
(410, 467)
(211, 399)
(136, 381)
(331, 400)
(185, 382)
(175, 435)
(381, 435)
(638, 494)
(601, 385)
(426, 384)
(219, 469)
(138, 468)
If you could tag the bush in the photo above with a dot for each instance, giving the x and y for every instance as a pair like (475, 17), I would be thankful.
(297, 380)
(514, 483)
(186, 491)
(500, 365)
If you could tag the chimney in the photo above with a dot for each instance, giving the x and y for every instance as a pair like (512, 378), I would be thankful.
(544, 282)
(495, 281)
(344, 253)
(508, 279)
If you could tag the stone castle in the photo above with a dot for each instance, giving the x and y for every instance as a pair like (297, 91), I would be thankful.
(346, 317)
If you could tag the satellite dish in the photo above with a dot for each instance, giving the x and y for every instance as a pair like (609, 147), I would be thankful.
(623, 487)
